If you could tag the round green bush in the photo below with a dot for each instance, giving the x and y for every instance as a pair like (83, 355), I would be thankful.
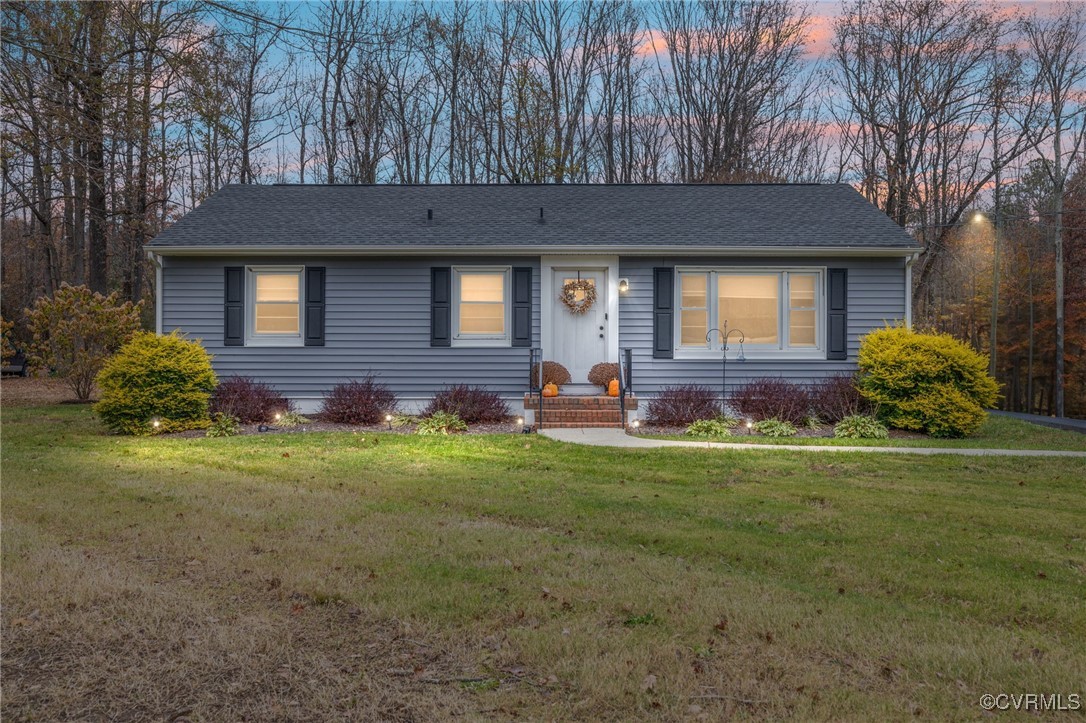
(860, 426)
(168, 379)
(932, 383)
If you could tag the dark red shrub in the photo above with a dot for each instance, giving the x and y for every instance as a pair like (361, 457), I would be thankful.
(471, 404)
(837, 397)
(364, 401)
(772, 398)
(248, 400)
(681, 405)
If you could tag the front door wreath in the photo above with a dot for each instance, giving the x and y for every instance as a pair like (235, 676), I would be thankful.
(578, 295)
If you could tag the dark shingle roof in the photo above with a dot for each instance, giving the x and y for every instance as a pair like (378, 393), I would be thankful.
(613, 216)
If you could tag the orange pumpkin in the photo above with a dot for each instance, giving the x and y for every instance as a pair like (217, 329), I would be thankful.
(550, 390)
(612, 388)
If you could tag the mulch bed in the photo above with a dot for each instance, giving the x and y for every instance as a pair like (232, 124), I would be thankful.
(510, 427)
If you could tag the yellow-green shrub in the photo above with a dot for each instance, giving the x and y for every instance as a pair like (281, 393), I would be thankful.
(165, 378)
(926, 382)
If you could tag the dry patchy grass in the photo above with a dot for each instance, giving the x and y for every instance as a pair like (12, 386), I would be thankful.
(34, 391)
(341, 576)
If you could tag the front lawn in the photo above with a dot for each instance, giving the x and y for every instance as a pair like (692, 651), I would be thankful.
(996, 433)
(349, 576)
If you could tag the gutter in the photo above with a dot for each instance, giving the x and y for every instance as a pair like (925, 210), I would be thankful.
(431, 250)
(156, 259)
(909, 288)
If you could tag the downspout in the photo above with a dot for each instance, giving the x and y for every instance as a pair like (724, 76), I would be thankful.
(910, 260)
(157, 260)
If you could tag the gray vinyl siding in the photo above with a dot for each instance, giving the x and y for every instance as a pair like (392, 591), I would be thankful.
(876, 296)
(377, 320)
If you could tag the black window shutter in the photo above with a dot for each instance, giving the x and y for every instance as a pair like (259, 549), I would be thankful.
(314, 306)
(234, 307)
(837, 315)
(441, 306)
(663, 313)
(522, 306)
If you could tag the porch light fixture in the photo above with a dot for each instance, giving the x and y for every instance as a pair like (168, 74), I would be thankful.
(388, 419)
(623, 286)
(724, 334)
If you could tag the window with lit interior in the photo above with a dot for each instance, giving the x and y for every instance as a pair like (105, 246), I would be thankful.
(482, 306)
(776, 311)
(274, 305)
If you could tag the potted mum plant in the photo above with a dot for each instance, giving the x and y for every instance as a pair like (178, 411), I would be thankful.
(605, 374)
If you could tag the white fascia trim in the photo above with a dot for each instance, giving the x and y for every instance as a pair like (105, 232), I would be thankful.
(580, 250)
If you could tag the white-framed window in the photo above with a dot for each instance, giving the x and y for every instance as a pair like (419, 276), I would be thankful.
(779, 311)
(481, 306)
(273, 313)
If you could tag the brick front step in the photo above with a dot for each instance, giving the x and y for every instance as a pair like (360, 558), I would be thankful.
(531, 402)
(571, 412)
(580, 425)
(604, 415)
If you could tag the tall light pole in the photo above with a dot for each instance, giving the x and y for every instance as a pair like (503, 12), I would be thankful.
(724, 334)
(994, 320)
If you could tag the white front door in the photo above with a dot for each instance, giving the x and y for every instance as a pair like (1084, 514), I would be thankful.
(580, 340)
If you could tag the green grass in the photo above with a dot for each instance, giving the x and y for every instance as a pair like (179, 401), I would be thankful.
(317, 576)
(996, 433)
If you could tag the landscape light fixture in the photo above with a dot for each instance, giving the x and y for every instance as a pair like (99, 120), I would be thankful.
(750, 426)
(156, 423)
(635, 424)
(979, 217)
(388, 418)
(278, 416)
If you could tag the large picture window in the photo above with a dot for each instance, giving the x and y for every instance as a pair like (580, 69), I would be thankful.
(481, 308)
(775, 310)
(275, 305)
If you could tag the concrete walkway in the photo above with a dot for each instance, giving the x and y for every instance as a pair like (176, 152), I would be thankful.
(618, 438)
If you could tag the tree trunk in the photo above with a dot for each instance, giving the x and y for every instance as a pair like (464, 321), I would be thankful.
(94, 104)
